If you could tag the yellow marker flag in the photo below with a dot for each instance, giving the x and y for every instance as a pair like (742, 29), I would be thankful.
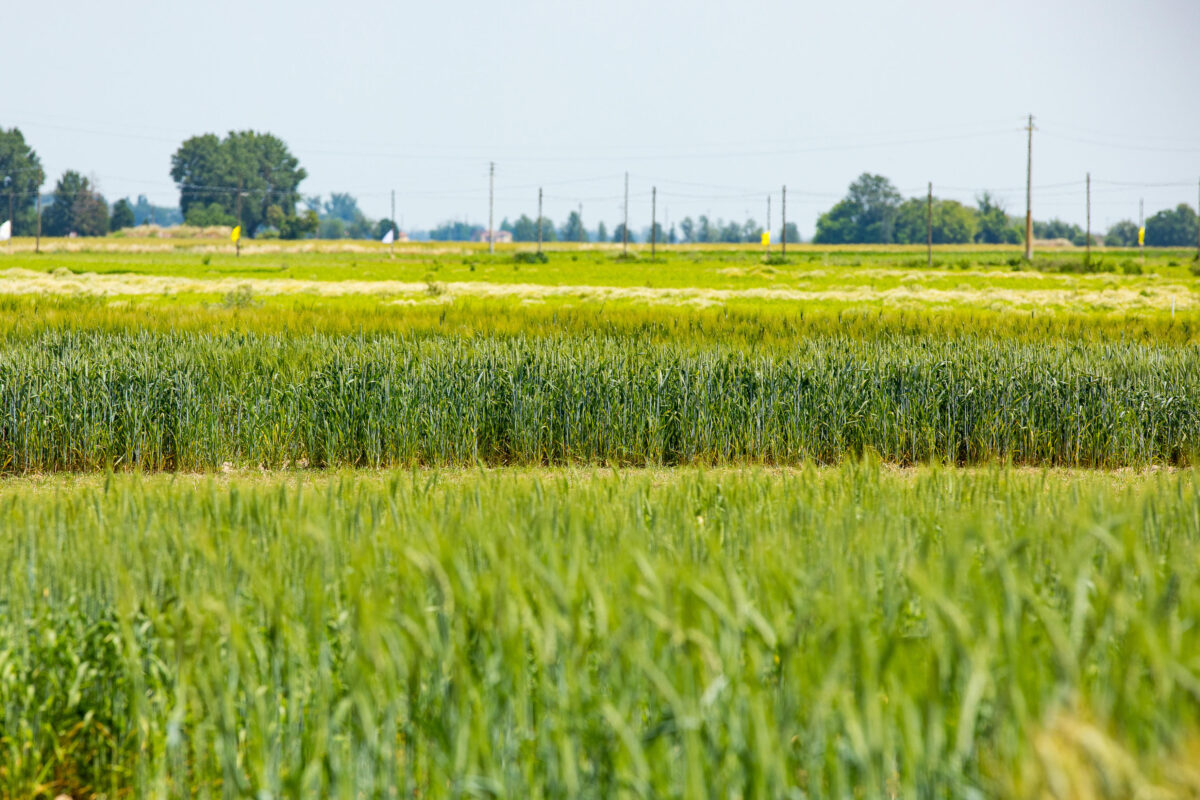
(235, 234)
(766, 239)
(1141, 236)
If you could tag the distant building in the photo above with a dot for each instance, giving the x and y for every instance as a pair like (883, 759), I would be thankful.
(402, 236)
(500, 237)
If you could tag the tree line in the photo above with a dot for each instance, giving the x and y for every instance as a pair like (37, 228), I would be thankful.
(874, 212)
(253, 179)
(689, 231)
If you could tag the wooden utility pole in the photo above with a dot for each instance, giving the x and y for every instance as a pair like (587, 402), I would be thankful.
(1029, 193)
(1087, 258)
(783, 214)
(653, 220)
(625, 227)
(581, 223)
(37, 248)
(395, 230)
(491, 231)
(238, 243)
(539, 220)
(929, 226)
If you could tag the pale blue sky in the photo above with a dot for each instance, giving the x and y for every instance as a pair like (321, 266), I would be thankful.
(715, 103)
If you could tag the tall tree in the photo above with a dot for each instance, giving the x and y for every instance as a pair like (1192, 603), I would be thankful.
(573, 230)
(75, 208)
(524, 229)
(21, 165)
(688, 228)
(619, 234)
(383, 226)
(994, 224)
(866, 215)
(752, 232)
(210, 170)
(343, 206)
(91, 214)
(122, 215)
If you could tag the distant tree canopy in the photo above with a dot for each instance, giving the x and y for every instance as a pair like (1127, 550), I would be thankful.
(703, 230)
(866, 215)
(526, 230)
(331, 228)
(122, 215)
(75, 208)
(209, 172)
(206, 216)
(872, 212)
(572, 230)
(292, 226)
(953, 223)
(1175, 228)
(21, 165)
(383, 226)
(146, 213)
(733, 233)
(619, 234)
(342, 207)
(1057, 229)
(454, 232)
(1122, 234)
(995, 226)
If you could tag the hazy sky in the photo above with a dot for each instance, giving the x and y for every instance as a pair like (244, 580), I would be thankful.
(717, 104)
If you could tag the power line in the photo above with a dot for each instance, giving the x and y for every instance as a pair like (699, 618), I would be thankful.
(1117, 146)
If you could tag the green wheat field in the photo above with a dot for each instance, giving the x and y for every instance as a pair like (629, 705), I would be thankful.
(348, 522)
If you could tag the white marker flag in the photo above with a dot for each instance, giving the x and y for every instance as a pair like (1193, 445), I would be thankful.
(389, 237)
(6, 230)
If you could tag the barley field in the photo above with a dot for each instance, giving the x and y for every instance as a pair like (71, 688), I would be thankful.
(854, 631)
(332, 521)
(198, 402)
